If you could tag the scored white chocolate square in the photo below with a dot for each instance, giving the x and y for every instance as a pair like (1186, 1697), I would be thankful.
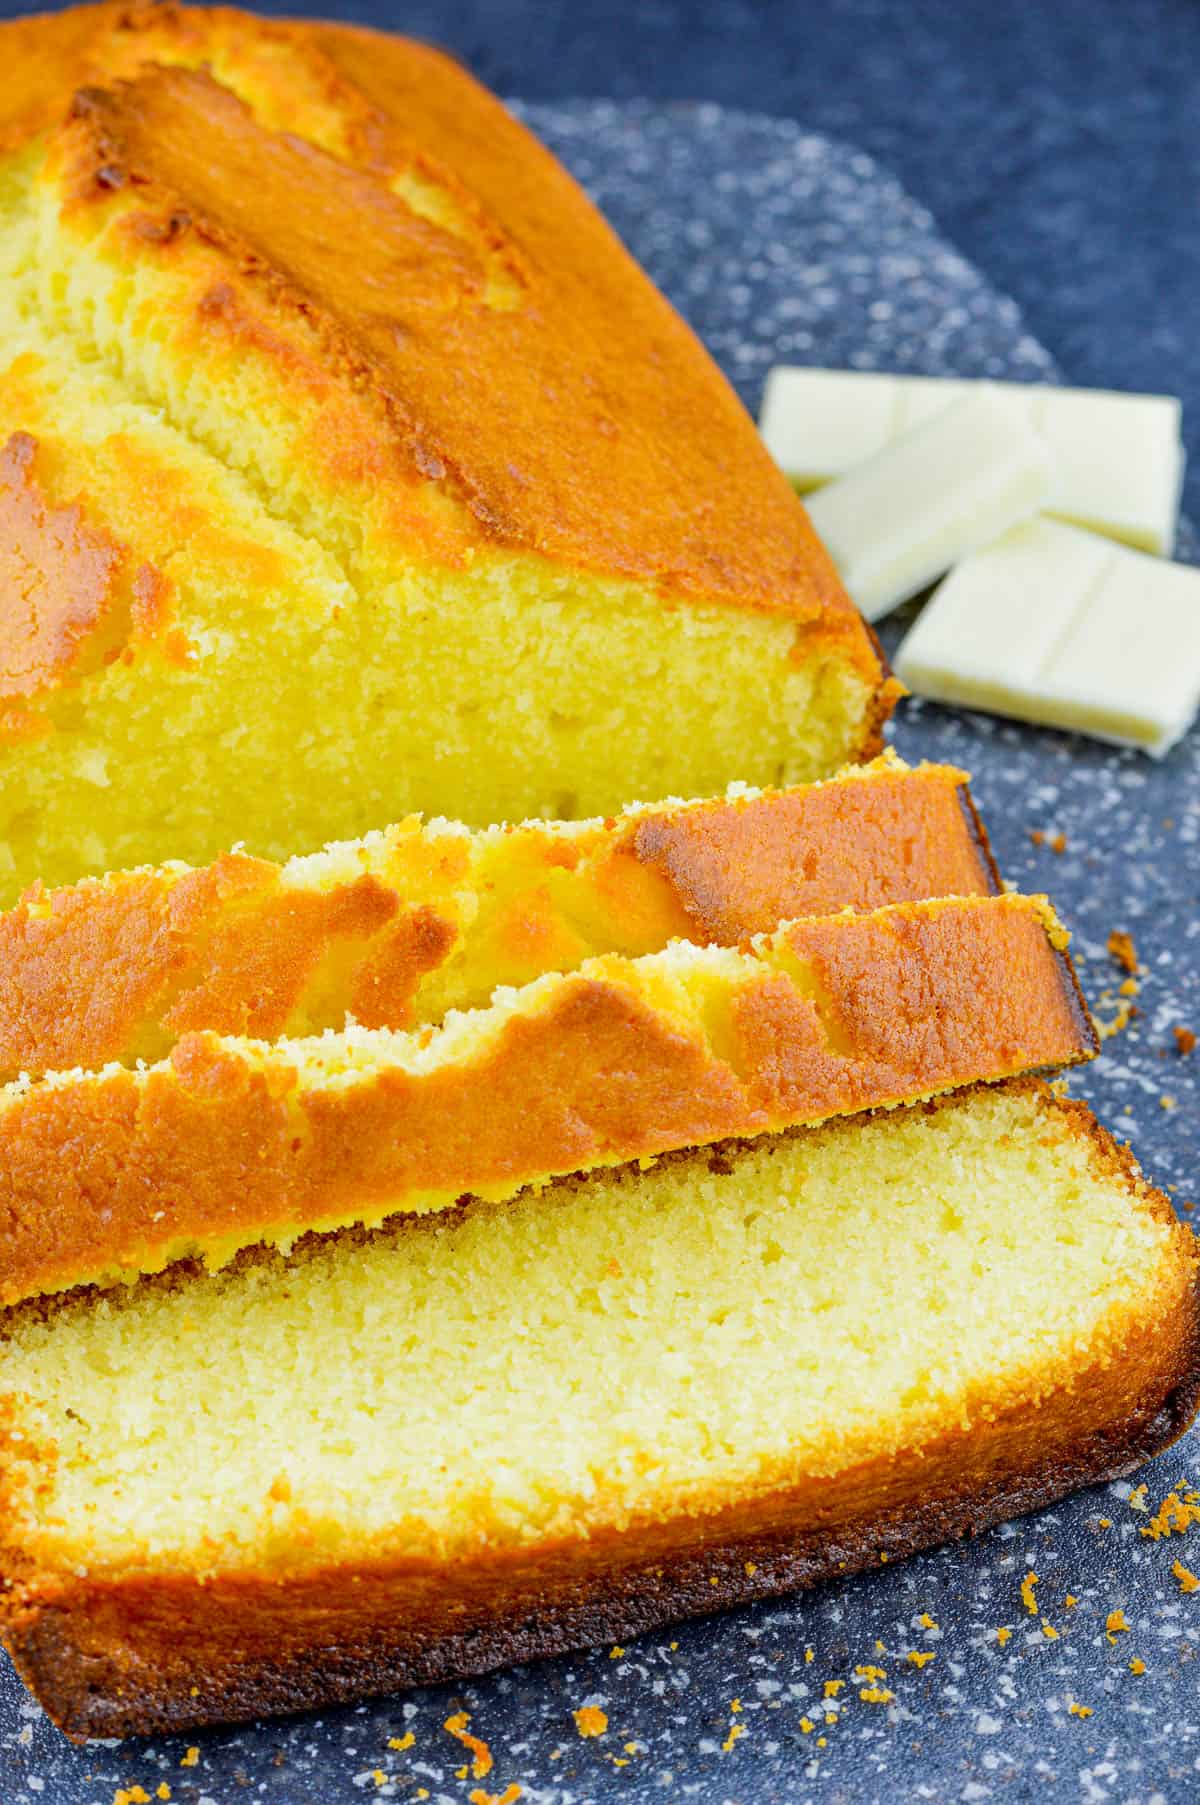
(1061, 627)
(1119, 459)
(894, 523)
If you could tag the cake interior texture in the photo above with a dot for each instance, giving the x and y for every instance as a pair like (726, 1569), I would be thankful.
(638, 1348)
(448, 552)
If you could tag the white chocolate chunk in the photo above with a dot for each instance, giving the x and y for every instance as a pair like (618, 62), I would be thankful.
(1058, 626)
(895, 523)
(1119, 459)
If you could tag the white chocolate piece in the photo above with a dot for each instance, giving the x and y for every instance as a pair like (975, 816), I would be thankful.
(1061, 627)
(895, 523)
(1119, 458)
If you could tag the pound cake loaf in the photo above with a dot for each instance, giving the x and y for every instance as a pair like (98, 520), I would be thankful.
(407, 924)
(231, 1141)
(648, 1394)
(350, 466)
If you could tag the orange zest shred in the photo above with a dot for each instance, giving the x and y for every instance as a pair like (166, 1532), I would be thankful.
(590, 1720)
(1174, 1516)
(481, 1755)
(1187, 1579)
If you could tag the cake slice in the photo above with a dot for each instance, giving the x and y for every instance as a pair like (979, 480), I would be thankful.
(480, 1437)
(350, 466)
(402, 926)
(231, 1141)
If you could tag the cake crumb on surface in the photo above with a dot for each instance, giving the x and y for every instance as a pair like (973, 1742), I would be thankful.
(1028, 1598)
(1137, 1665)
(1122, 949)
(400, 1743)
(806, 1726)
(926, 1622)
(876, 1695)
(919, 1658)
(1185, 1041)
(1114, 1624)
(833, 1687)
(1003, 1634)
(1077, 1710)
(477, 1796)
(590, 1720)
(1049, 1631)
(735, 1731)
(190, 1757)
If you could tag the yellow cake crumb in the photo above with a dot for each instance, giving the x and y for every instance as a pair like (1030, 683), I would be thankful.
(1077, 1710)
(1137, 1665)
(869, 1673)
(876, 1695)
(735, 1705)
(1137, 1497)
(822, 1742)
(399, 1743)
(1114, 1624)
(750, 1569)
(477, 1796)
(1028, 1597)
(806, 1726)
(1104, 1522)
(1003, 1634)
(1049, 1631)
(134, 1795)
(926, 1621)
(809, 1657)
(191, 1757)
(590, 1720)
(1070, 1601)
(735, 1731)
(918, 1659)
(833, 1687)
(162, 1791)
(614, 1653)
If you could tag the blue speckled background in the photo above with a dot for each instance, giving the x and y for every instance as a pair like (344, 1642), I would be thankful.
(777, 244)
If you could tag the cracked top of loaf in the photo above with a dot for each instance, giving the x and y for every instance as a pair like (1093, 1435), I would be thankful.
(354, 214)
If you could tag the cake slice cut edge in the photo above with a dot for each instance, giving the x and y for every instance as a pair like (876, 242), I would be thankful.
(647, 1394)
(230, 1142)
(420, 918)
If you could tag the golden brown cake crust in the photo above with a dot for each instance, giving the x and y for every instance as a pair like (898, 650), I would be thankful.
(105, 1654)
(216, 1143)
(115, 970)
(525, 364)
